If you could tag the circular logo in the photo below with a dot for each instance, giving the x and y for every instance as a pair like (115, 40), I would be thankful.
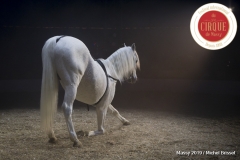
(213, 26)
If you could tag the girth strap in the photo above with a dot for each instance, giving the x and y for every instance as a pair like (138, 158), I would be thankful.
(105, 71)
(107, 76)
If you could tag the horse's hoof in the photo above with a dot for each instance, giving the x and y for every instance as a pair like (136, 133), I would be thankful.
(126, 123)
(53, 140)
(91, 133)
(77, 144)
(96, 133)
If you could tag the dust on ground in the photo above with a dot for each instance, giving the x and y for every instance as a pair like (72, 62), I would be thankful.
(151, 135)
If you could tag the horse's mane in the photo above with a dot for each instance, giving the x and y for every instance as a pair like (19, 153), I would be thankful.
(123, 62)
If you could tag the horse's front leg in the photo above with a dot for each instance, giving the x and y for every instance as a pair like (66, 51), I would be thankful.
(117, 114)
(67, 106)
(101, 115)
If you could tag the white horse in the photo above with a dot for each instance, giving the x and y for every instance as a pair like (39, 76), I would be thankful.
(67, 59)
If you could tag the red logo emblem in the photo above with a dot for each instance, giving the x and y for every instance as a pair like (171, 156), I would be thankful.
(213, 26)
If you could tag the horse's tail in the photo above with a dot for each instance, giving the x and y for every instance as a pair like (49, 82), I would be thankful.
(49, 89)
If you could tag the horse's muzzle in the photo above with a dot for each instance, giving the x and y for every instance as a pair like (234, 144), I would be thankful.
(132, 79)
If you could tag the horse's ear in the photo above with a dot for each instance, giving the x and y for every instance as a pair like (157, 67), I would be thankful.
(124, 45)
(133, 47)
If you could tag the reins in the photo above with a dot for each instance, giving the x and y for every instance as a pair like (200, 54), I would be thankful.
(104, 69)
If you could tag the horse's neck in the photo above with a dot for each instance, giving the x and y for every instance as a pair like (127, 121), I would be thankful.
(111, 70)
(118, 63)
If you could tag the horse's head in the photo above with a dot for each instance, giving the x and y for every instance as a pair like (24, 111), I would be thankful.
(136, 65)
(126, 62)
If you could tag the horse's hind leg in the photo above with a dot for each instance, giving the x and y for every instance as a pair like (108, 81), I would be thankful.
(116, 113)
(67, 106)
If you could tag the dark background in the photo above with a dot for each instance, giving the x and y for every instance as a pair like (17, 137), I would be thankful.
(176, 73)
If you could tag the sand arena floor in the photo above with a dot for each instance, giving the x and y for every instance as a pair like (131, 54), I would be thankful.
(152, 134)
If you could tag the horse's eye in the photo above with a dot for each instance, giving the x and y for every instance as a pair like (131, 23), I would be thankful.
(136, 61)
